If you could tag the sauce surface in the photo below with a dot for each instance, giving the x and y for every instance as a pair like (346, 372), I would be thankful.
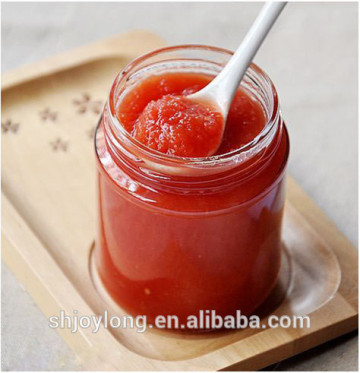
(157, 113)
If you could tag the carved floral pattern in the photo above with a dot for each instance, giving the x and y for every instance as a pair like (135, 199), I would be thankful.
(86, 104)
(47, 114)
(59, 144)
(9, 126)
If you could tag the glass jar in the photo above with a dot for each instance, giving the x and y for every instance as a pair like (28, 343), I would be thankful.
(180, 235)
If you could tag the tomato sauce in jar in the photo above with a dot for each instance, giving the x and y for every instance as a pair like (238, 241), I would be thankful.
(180, 232)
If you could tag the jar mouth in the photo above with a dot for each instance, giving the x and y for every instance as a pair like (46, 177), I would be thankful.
(122, 138)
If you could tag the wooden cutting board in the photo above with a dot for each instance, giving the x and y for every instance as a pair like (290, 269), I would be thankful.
(49, 113)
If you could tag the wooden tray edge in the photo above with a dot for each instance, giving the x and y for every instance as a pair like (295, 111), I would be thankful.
(129, 45)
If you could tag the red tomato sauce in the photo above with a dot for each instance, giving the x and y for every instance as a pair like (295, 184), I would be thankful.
(208, 244)
(157, 114)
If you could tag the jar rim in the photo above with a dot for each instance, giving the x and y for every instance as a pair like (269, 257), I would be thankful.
(155, 156)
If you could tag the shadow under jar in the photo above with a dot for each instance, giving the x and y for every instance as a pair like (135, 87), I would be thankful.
(180, 235)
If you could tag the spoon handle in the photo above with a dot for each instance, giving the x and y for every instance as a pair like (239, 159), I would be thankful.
(224, 86)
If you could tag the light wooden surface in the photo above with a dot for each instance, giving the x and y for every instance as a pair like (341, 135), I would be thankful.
(49, 220)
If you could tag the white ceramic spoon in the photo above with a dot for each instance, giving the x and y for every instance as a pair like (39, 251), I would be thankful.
(220, 92)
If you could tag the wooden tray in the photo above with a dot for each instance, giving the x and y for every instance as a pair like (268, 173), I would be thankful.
(49, 113)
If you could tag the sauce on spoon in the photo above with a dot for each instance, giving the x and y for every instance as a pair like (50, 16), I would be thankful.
(157, 113)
